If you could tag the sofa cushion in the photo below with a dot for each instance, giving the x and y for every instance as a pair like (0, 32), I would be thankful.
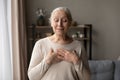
(102, 70)
(117, 70)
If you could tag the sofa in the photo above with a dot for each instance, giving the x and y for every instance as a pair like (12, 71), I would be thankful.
(105, 69)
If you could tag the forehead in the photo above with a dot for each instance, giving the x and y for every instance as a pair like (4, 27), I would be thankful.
(59, 13)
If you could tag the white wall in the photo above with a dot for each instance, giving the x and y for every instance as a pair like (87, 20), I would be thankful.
(104, 15)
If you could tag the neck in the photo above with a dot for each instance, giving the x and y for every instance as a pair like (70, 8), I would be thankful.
(62, 39)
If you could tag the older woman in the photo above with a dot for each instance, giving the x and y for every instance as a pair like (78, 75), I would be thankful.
(59, 57)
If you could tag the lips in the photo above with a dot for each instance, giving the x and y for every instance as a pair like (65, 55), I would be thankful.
(60, 29)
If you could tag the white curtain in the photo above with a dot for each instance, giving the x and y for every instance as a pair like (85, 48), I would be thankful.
(13, 54)
(19, 47)
(5, 40)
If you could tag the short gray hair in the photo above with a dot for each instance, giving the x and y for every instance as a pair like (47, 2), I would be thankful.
(67, 11)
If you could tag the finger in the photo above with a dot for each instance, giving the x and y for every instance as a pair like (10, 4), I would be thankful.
(63, 50)
(66, 51)
(60, 57)
(74, 51)
(60, 52)
(51, 50)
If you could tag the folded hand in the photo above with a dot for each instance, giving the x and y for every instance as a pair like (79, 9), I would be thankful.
(67, 55)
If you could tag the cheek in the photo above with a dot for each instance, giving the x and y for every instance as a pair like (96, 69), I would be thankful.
(67, 25)
(53, 26)
(52, 23)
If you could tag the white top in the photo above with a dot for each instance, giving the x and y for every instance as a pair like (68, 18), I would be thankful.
(39, 70)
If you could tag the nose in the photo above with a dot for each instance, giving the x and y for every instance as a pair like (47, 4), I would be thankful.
(60, 23)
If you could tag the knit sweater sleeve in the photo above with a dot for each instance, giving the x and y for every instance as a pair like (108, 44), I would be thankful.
(82, 67)
(37, 66)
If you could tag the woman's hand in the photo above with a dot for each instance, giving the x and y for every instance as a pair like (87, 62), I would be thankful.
(52, 57)
(69, 56)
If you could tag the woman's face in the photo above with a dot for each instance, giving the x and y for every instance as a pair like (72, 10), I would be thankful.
(60, 22)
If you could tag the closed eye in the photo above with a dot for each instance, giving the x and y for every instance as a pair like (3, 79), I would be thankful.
(65, 20)
(56, 20)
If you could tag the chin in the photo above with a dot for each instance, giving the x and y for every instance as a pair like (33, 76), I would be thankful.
(60, 34)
